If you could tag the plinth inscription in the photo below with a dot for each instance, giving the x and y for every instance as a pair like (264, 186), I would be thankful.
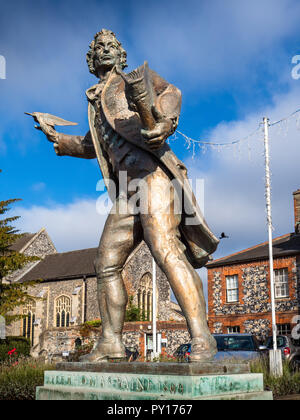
(174, 386)
(124, 382)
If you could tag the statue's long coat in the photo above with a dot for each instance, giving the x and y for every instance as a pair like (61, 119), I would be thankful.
(199, 240)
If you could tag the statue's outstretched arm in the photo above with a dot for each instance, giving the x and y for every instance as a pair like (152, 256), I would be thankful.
(76, 146)
(69, 145)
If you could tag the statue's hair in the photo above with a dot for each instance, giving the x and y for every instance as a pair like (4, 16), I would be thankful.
(90, 57)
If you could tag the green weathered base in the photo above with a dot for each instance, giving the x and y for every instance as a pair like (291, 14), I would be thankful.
(151, 382)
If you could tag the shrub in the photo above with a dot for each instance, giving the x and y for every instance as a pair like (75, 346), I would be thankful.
(287, 384)
(96, 323)
(89, 326)
(132, 312)
(21, 344)
(18, 381)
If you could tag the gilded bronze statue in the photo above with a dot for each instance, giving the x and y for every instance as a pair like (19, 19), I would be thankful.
(130, 118)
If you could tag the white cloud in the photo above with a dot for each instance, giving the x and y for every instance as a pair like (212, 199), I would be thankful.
(210, 42)
(73, 226)
(234, 184)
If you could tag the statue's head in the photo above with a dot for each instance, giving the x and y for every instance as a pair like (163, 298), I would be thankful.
(105, 52)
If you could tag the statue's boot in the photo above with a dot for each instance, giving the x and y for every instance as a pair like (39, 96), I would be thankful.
(203, 348)
(105, 350)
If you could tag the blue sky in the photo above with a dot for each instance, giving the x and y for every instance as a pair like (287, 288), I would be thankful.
(232, 61)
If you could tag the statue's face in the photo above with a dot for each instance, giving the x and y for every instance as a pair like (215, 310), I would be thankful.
(107, 53)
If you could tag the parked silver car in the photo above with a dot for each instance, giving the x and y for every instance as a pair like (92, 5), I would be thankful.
(290, 349)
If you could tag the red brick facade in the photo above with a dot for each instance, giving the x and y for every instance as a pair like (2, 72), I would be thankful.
(252, 312)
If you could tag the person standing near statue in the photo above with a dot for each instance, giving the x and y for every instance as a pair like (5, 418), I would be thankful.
(127, 136)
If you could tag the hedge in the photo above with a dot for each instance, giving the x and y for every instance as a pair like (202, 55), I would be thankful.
(21, 344)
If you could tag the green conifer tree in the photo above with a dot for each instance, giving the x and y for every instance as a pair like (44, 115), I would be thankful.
(12, 295)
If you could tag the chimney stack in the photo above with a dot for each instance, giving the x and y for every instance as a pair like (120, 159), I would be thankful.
(297, 210)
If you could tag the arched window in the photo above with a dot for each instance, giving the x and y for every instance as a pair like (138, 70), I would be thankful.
(78, 343)
(29, 311)
(144, 295)
(63, 311)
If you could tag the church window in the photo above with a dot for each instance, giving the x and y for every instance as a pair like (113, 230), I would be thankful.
(63, 311)
(29, 311)
(145, 296)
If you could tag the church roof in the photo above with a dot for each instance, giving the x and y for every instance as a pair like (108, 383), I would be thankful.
(22, 242)
(287, 245)
(67, 265)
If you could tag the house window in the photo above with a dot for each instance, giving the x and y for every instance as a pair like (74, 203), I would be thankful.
(232, 289)
(283, 329)
(281, 283)
(29, 320)
(233, 330)
(63, 311)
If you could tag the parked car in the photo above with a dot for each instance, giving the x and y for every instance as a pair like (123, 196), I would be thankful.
(183, 352)
(237, 346)
(230, 346)
(290, 349)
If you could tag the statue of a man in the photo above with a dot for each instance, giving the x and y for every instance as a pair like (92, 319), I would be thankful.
(123, 145)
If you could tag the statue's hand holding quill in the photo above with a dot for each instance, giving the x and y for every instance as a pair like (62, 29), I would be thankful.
(47, 122)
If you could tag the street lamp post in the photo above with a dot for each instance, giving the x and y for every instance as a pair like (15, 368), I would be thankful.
(154, 329)
(275, 354)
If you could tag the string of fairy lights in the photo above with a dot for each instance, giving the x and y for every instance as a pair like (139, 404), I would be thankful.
(205, 145)
(264, 129)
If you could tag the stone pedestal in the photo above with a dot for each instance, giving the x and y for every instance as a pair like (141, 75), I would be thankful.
(152, 381)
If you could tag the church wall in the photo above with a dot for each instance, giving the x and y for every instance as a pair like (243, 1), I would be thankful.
(39, 247)
(139, 265)
(73, 289)
(55, 341)
(92, 307)
(44, 295)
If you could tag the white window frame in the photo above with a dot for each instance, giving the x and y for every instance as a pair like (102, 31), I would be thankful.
(232, 288)
(284, 329)
(233, 330)
(281, 286)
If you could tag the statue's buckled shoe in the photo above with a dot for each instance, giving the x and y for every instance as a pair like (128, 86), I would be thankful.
(104, 351)
(94, 357)
(203, 350)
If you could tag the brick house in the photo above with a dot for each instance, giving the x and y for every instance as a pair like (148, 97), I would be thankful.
(67, 297)
(239, 297)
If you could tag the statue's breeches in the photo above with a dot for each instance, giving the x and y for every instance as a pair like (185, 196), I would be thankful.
(158, 225)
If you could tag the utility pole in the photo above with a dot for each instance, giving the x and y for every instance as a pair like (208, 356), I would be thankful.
(275, 354)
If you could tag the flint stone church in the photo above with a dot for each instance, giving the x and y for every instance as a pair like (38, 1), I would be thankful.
(65, 297)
